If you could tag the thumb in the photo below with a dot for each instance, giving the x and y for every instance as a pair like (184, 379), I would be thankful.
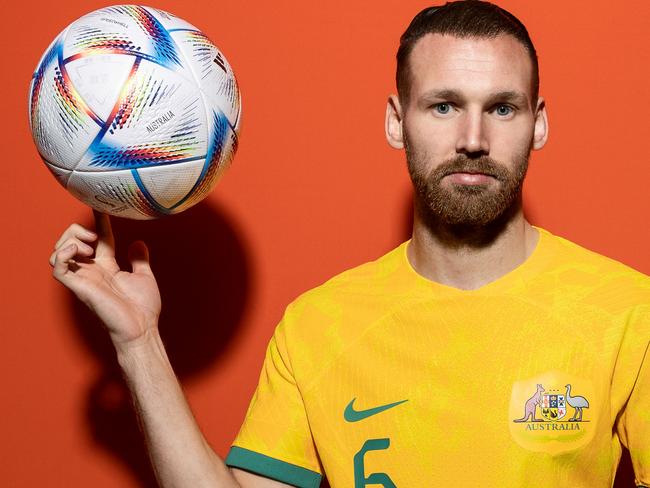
(139, 258)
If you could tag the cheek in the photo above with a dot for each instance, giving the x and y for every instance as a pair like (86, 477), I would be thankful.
(433, 138)
(510, 138)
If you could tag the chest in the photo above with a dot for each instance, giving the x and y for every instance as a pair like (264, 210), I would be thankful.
(422, 391)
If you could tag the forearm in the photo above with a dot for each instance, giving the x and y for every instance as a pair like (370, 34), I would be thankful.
(180, 455)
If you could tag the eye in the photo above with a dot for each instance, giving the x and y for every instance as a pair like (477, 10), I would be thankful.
(442, 108)
(504, 110)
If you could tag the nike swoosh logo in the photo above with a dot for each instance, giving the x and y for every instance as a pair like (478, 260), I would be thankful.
(352, 415)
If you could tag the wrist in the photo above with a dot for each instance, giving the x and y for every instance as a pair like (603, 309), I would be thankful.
(138, 350)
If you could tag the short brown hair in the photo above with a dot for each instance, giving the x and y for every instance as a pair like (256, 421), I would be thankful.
(468, 18)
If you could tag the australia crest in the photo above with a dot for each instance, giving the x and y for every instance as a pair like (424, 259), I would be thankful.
(552, 412)
(552, 406)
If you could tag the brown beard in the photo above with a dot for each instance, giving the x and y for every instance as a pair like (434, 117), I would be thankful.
(467, 205)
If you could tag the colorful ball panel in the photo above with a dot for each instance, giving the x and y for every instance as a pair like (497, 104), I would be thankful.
(135, 111)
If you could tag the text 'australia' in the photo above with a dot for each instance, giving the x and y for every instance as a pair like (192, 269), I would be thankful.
(163, 119)
(553, 426)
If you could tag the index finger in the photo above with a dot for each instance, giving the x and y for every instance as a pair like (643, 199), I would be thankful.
(105, 241)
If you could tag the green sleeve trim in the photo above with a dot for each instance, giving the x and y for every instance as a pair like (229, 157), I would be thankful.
(255, 462)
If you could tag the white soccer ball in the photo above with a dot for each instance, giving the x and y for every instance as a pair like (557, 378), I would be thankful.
(135, 111)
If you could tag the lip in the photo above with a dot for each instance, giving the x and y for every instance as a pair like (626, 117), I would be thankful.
(469, 178)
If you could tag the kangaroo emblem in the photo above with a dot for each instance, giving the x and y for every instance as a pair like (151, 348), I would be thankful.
(531, 406)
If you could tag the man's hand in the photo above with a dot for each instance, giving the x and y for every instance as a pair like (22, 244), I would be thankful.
(127, 302)
(129, 305)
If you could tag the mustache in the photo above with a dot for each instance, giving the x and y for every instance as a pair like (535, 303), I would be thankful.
(462, 164)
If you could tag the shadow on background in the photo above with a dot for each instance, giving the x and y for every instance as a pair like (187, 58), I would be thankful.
(625, 473)
(203, 273)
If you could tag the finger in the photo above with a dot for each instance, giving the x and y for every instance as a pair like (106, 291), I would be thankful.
(139, 258)
(62, 261)
(106, 242)
(80, 244)
(75, 230)
(83, 249)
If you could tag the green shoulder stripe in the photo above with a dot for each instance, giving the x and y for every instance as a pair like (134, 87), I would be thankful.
(257, 463)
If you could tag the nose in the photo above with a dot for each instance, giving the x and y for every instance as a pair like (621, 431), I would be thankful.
(472, 137)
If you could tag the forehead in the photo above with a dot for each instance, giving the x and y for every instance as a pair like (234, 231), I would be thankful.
(470, 65)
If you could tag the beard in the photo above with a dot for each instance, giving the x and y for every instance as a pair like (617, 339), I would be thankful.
(467, 205)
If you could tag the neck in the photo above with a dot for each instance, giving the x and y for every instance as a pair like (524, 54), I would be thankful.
(468, 257)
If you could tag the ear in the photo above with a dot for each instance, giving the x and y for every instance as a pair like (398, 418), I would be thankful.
(540, 134)
(393, 126)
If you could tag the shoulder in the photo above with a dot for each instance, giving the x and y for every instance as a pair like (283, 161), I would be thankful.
(323, 321)
(569, 254)
(368, 282)
(574, 265)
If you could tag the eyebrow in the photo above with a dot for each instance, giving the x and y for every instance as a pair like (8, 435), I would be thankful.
(455, 96)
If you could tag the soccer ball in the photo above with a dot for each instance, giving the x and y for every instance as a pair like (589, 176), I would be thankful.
(135, 111)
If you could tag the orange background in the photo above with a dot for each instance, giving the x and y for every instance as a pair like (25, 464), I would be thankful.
(313, 190)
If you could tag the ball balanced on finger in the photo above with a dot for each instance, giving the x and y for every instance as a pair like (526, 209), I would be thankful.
(135, 111)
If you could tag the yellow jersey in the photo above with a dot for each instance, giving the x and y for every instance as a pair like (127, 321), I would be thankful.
(380, 377)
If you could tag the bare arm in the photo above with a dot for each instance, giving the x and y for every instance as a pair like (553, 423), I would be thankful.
(129, 305)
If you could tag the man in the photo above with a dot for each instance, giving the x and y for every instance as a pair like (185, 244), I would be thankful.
(483, 352)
